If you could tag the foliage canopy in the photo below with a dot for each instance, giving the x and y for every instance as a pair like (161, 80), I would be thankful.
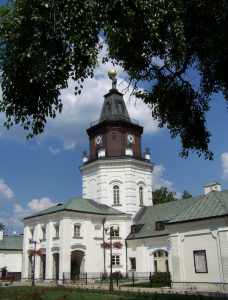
(43, 43)
(162, 195)
(186, 195)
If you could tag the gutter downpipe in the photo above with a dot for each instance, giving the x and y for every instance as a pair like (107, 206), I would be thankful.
(104, 249)
(126, 254)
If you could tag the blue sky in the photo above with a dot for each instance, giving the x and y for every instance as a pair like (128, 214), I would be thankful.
(44, 171)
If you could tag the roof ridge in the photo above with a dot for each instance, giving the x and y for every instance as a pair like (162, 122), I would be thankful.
(221, 200)
(189, 207)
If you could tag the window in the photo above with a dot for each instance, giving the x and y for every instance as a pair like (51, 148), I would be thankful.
(134, 229)
(155, 266)
(160, 261)
(77, 230)
(44, 233)
(32, 233)
(115, 260)
(167, 266)
(132, 264)
(200, 261)
(116, 194)
(57, 231)
(140, 195)
(115, 233)
(159, 225)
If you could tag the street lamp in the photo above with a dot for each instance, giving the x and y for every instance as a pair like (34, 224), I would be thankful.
(111, 233)
(31, 241)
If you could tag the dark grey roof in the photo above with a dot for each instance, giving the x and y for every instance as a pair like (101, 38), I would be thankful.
(214, 204)
(11, 243)
(114, 107)
(80, 205)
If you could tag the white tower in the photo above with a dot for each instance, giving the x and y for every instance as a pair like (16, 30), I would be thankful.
(116, 173)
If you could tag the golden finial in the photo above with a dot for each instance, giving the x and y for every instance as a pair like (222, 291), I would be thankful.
(112, 73)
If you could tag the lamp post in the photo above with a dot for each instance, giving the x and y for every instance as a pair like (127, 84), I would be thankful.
(31, 241)
(111, 233)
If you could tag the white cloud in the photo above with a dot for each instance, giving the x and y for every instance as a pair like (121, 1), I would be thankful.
(5, 191)
(68, 146)
(32, 207)
(54, 151)
(224, 159)
(39, 205)
(79, 111)
(158, 181)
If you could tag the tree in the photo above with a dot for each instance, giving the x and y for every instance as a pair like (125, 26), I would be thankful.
(186, 195)
(2, 227)
(162, 195)
(45, 42)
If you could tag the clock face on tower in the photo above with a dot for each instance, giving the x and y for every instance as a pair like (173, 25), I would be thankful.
(130, 138)
(98, 140)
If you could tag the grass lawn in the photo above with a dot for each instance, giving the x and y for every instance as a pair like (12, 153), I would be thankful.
(67, 292)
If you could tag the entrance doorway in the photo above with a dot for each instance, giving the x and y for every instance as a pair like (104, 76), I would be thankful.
(160, 261)
(56, 266)
(42, 266)
(77, 263)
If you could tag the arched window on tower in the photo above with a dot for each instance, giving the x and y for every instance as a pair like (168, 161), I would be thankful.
(140, 195)
(116, 194)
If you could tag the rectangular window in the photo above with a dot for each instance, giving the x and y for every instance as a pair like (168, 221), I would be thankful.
(32, 234)
(76, 230)
(155, 266)
(116, 194)
(132, 263)
(115, 233)
(44, 233)
(200, 261)
(159, 225)
(115, 260)
(56, 231)
(134, 229)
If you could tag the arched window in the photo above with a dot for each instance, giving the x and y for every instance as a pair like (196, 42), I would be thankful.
(140, 195)
(116, 194)
(77, 230)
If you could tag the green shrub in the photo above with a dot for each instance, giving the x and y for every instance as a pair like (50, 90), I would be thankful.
(161, 277)
(119, 274)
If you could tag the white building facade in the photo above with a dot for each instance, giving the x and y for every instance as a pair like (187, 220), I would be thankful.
(116, 183)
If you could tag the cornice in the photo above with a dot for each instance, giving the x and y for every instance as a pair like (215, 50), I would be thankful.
(124, 160)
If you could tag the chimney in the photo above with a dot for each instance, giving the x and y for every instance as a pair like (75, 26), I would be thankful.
(1, 235)
(215, 186)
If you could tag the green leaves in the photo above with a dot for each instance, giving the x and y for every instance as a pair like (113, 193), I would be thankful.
(43, 43)
(162, 195)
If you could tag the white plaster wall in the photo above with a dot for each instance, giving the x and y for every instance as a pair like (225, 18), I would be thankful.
(129, 174)
(142, 250)
(89, 241)
(11, 259)
(209, 235)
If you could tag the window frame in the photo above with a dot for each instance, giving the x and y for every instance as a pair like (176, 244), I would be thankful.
(44, 233)
(159, 225)
(75, 231)
(116, 194)
(132, 264)
(141, 194)
(115, 233)
(115, 257)
(56, 230)
(195, 262)
(134, 229)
